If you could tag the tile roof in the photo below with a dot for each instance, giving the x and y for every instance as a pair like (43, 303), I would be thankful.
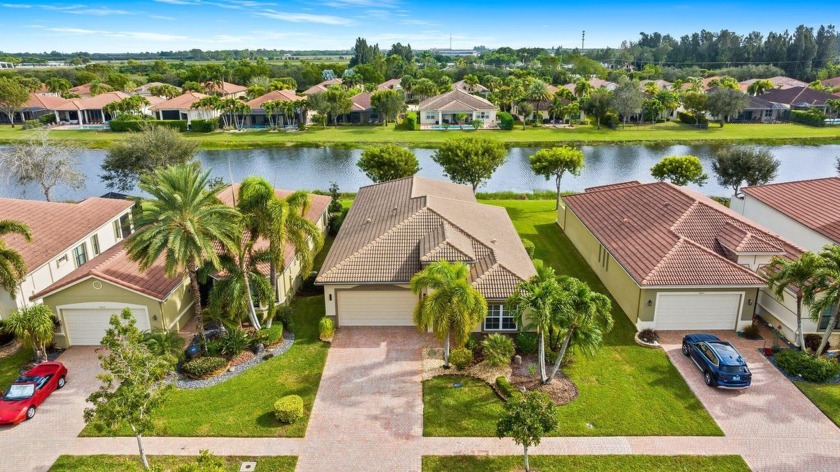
(779, 82)
(226, 88)
(392, 84)
(41, 101)
(833, 82)
(661, 84)
(92, 103)
(284, 95)
(84, 89)
(595, 82)
(322, 87)
(181, 102)
(477, 88)
(395, 227)
(144, 89)
(812, 203)
(664, 235)
(56, 227)
(797, 96)
(361, 101)
(456, 100)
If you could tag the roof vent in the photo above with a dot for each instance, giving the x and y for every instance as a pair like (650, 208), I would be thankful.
(368, 221)
(493, 241)
(625, 220)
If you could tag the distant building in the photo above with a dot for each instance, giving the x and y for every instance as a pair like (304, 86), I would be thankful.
(454, 52)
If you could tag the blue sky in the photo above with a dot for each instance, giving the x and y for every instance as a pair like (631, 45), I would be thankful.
(155, 25)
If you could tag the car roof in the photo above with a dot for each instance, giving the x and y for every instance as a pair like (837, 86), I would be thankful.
(727, 353)
(700, 337)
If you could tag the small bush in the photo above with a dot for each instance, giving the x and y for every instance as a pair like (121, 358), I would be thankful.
(505, 388)
(551, 356)
(461, 358)
(812, 342)
(47, 119)
(505, 120)
(233, 342)
(288, 409)
(812, 117)
(31, 124)
(336, 220)
(308, 287)
(498, 349)
(752, 332)
(269, 336)
(648, 335)
(203, 367)
(284, 316)
(477, 124)
(530, 247)
(812, 369)
(689, 119)
(204, 126)
(135, 123)
(527, 343)
(410, 123)
(326, 328)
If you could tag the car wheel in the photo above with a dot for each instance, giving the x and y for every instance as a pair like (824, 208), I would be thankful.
(61, 382)
(707, 377)
(685, 349)
(30, 412)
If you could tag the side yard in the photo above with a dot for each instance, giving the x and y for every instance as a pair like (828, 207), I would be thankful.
(102, 463)
(10, 366)
(588, 463)
(825, 396)
(624, 389)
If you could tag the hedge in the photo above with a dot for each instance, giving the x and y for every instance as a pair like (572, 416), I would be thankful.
(204, 126)
(812, 117)
(203, 367)
(690, 119)
(505, 120)
(121, 126)
(812, 369)
(410, 123)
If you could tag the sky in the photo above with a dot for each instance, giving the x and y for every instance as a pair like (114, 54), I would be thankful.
(165, 25)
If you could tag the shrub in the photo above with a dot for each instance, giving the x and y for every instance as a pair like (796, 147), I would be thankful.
(308, 287)
(752, 332)
(326, 328)
(336, 220)
(527, 343)
(269, 336)
(689, 119)
(31, 124)
(203, 367)
(498, 349)
(648, 335)
(134, 123)
(551, 356)
(461, 358)
(505, 120)
(204, 126)
(288, 409)
(284, 316)
(233, 342)
(505, 388)
(410, 123)
(530, 247)
(812, 369)
(477, 124)
(812, 342)
(812, 117)
(47, 119)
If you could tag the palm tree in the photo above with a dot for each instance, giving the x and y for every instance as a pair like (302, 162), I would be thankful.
(34, 326)
(583, 88)
(449, 305)
(233, 295)
(538, 93)
(181, 222)
(794, 275)
(208, 104)
(58, 85)
(12, 265)
(289, 109)
(759, 87)
(538, 299)
(651, 88)
(526, 109)
(270, 108)
(585, 317)
(824, 292)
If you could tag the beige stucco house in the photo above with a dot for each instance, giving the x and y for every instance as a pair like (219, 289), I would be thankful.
(444, 109)
(396, 228)
(181, 108)
(672, 258)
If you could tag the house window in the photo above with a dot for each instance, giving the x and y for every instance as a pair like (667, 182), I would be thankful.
(125, 225)
(483, 115)
(80, 254)
(117, 230)
(94, 243)
(768, 113)
(61, 260)
(499, 318)
(826, 318)
(603, 258)
(430, 115)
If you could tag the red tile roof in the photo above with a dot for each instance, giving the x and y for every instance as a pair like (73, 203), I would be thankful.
(392, 84)
(322, 87)
(812, 203)
(84, 89)
(181, 102)
(226, 88)
(56, 227)
(833, 82)
(92, 103)
(361, 101)
(284, 95)
(44, 101)
(665, 235)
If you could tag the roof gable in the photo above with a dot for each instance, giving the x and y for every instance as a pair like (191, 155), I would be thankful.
(456, 100)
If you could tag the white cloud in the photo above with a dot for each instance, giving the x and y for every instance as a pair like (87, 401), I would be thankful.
(133, 35)
(12, 5)
(361, 3)
(304, 18)
(179, 2)
(85, 10)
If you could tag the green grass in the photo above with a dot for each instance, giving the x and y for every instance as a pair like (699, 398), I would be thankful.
(322, 255)
(466, 411)
(625, 390)
(357, 136)
(10, 366)
(825, 396)
(105, 463)
(588, 463)
(243, 405)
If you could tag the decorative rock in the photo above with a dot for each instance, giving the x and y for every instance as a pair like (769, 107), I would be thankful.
(517, 359)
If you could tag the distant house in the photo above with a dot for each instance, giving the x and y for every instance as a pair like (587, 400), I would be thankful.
(225, 89)
(84, 89)
(779, 82)
(834, 82)
(476, 89)
(87, 110)
(181, 108)
(798, 98)
(759, 110)
(144, 89)
(362, 112)
(596, 83)
(392, 84)
(660, 84)
(444, 109)
(258, 117)
(322, 87)
(673, 258)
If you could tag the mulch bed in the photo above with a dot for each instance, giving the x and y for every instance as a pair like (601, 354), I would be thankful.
(561, 390)
(242, 358)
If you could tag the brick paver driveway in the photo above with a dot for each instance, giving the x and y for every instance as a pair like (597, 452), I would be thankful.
(773, 413)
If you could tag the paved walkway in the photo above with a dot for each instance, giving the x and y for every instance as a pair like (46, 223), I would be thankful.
(368, 416)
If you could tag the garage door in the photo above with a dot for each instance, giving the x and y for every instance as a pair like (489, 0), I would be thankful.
(376, 308)
(86, 326)
(697, 311)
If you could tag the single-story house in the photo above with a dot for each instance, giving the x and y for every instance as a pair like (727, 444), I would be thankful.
(258, 117)
(87, 110)
(181, 108)
(38, 104)
(443, 109)
(798, 98)
(596, 83)
(144, 89)
(396, 228)
(833, 82)
(672, 258)
(779, 82)
(391, 84)
(362, 113)
(225, 89)
(64, 237)
(477, 89)
(84, 89)
(322, 87)
(804, 212)
(759, 110)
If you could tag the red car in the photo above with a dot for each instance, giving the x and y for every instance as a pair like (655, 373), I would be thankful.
(30, 390)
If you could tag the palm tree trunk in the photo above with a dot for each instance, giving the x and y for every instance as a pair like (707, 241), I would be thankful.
(800, 337)
(527, 464)
(446, 352)
(196, 290)
(561, 354)
(252, 312)
(541, 354)
(828, 330)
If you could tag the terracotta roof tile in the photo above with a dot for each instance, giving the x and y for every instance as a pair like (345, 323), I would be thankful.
(322, 87)
(181, 102)
(284, 95)
(456, 100)
(392, 84)
(361, 101)
(44, 101)
(794, 96)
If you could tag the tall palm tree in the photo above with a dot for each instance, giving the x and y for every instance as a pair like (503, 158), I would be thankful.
(824, 291)
(538, 93)
(583, 88)
(233, 294)
(449, 305)
(58, 85)
(181, 222)
(585, 317)
(12, 265)
(759, 87)
(270, 108)
(794, 275)
(526, 109)
(537, 299)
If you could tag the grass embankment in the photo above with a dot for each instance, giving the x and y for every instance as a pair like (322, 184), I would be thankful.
(359, 136)
(625, 390)
(587, 463)
(104, 463)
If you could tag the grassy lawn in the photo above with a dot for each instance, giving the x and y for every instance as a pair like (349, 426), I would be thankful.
(624, 389)
(466, 411)
(356, 136)
(588, 463)
(10, 366)
(825, 396)
(243, 406)
(103, 463)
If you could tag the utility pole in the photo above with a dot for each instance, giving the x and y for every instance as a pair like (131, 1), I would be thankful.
(582, 40)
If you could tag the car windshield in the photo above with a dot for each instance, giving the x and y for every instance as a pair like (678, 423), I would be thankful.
(20, 391)
(734, 369)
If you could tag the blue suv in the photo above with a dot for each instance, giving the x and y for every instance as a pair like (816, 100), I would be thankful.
(721, 364)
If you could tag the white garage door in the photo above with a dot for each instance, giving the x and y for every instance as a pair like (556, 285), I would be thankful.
(86, 326)
(697, 311)
(375, 308)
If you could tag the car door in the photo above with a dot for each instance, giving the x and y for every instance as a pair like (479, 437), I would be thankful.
(43, 389)
(697, 355)
(709, 358)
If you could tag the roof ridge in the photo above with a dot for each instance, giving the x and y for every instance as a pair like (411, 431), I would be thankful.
(718, 256)
(665, 258)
